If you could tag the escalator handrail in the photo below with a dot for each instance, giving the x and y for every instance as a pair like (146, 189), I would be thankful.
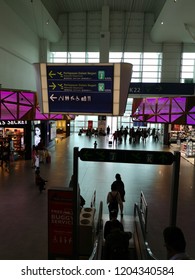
(97, 248)
(138, 218)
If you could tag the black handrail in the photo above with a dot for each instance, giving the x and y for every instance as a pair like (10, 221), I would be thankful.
(97, 248)
(93, 200)
(144, 248)
(144, 210)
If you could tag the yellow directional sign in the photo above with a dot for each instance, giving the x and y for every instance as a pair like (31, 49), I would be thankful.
(51, 74)
(52, 86)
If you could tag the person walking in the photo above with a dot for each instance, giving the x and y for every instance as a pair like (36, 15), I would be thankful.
(40, 182)
(114, 200)
(95, 144)
(112, 223)
(120, 186)
(108, 130)
(6, 155)
(116, 240)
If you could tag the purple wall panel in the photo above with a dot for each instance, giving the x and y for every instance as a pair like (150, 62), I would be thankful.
(166, 110)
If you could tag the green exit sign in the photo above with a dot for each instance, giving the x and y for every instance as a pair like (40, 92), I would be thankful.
(101, 75)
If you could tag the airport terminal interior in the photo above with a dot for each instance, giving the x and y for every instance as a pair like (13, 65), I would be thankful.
(155, 40)
(23, 210)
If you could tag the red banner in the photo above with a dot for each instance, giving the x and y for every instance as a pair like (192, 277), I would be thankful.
(60, 222)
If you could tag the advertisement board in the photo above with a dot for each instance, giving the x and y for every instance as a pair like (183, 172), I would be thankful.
(60, 223)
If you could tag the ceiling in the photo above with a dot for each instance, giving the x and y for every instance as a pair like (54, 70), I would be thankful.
(59, 6)
(177, 16)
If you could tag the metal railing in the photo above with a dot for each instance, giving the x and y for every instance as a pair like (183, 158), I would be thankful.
(144, 210)
(142, 248)
(93, 200)
(97, 248)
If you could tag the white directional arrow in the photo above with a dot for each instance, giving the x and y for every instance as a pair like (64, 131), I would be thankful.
(52, 97)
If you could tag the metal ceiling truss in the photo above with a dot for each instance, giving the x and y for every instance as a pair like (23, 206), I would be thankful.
(176, 110)
(20, 105)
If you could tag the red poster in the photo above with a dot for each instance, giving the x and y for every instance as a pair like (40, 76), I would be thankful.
(90, 124)
(60, 222)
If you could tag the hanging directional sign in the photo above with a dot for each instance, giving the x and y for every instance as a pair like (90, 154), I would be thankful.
(161, 89)
(80, 88)
(88, 88)
(140, 157)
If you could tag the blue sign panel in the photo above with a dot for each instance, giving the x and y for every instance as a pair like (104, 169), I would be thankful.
(80, 88)
(161, 89)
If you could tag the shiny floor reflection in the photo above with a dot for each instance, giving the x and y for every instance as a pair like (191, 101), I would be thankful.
(23, 211)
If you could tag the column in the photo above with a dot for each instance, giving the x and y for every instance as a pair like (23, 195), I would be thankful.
(44, 52)
(105, 36)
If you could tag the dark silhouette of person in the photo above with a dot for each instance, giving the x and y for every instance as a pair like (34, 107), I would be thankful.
(40, 182)
(112, 223)
(108, 130)
(71, 185)
(116, 240)
(120, 186)
(175, 243)
(6, 154)
(114, 200)
(125, 133)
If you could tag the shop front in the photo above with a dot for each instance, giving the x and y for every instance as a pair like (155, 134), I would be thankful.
(183, 136)
(18, 134)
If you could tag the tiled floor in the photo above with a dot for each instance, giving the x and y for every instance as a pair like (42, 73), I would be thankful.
(23, 210)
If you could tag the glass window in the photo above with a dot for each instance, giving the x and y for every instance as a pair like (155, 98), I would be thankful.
(92, 57)
(146, 68)
(58, 57)
(187, 66)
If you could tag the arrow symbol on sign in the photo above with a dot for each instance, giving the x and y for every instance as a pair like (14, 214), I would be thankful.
(100, 155)
(53, 86)
(163, 158)
(52, 97)
(159, 88)
(51, 74)
(87, 155)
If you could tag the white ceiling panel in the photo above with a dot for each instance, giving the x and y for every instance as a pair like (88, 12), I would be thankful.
(177, 16)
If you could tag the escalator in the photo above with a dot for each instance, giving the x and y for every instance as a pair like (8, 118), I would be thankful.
(138, 246)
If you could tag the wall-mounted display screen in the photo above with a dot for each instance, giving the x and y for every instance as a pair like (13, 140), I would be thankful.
(37, 135)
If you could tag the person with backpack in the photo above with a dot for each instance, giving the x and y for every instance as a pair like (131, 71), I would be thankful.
(116, 240)
(114, 200)
(120, 186)
(112, 223)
